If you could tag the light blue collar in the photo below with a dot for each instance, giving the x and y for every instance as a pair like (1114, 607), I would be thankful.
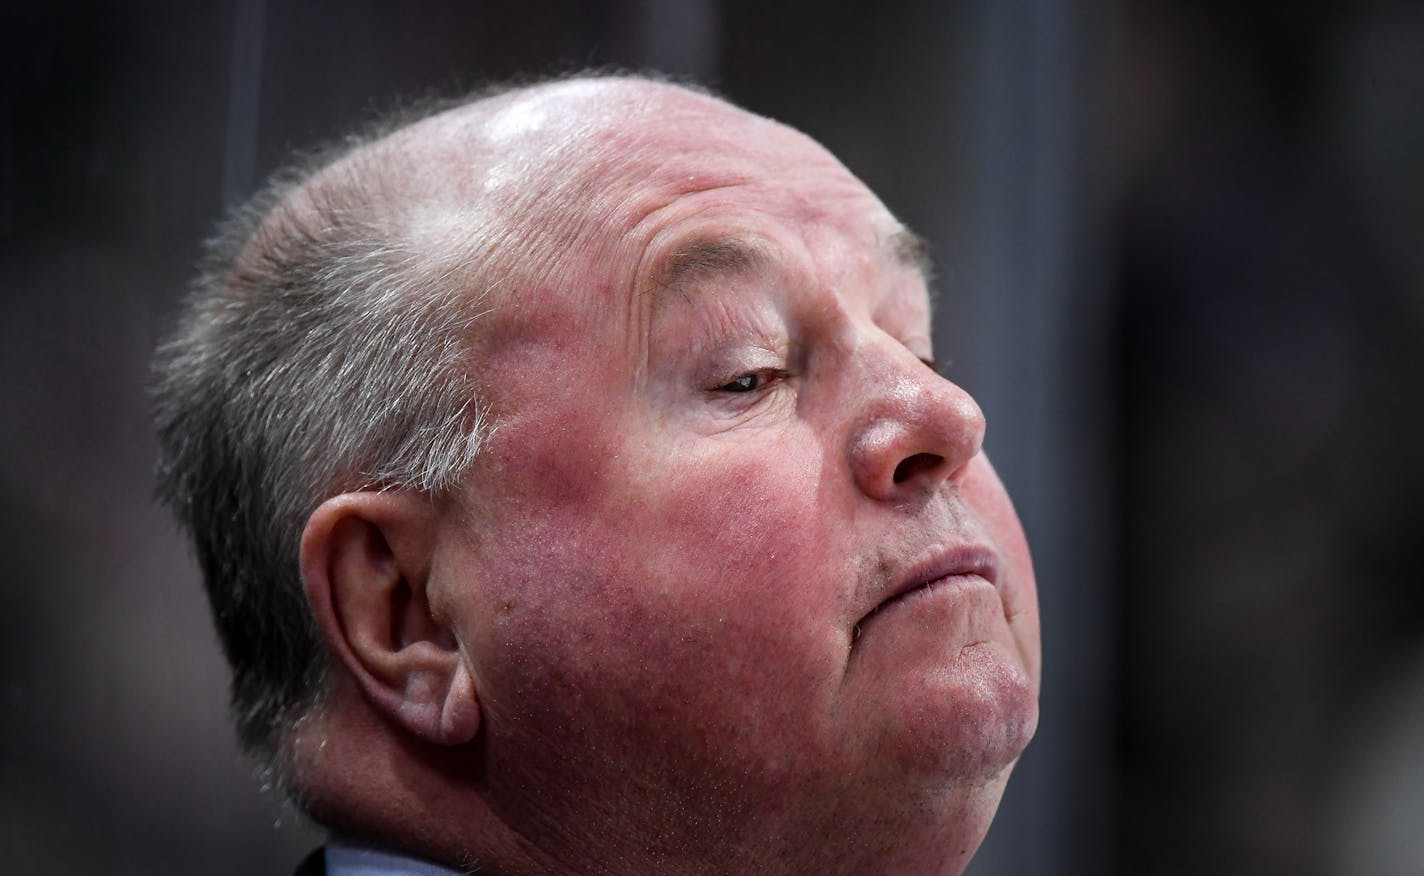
(347, 857)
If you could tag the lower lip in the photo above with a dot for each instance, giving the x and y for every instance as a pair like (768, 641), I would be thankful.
(949, 584)
(950, 594)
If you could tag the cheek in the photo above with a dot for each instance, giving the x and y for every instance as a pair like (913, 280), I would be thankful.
(744, 517)
(672, 611)
(653, 573)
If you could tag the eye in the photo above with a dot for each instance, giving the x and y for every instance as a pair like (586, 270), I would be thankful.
(745, 383)
(753, 381)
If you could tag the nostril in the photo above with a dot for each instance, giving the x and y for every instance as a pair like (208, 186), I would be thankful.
(913, 465)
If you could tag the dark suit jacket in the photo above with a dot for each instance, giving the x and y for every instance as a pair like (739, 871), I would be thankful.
(312, 865)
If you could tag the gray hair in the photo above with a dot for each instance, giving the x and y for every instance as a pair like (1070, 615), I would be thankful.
(319, 352)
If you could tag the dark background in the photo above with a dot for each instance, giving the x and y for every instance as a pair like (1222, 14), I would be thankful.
(1182, 257)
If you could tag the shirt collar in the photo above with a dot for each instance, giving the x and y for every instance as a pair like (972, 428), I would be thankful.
(348, 857)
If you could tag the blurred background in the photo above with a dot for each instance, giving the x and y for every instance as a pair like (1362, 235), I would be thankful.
(1181, 252)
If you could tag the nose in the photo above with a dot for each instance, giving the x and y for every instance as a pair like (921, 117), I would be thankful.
(918, 432)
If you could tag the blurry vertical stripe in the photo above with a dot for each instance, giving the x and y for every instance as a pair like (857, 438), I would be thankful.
(244, 95)
(682, 38)
(1029, 313)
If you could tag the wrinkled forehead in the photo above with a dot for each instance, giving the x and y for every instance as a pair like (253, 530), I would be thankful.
(576, 180)
(560, 169)
(611, 158)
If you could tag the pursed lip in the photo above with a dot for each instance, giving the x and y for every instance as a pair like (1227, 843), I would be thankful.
(957, 562)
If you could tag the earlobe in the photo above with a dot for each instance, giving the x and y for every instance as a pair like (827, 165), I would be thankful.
(366, 560)
(460, 719)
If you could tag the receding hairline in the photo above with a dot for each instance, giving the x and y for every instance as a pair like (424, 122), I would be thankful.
(376, 151)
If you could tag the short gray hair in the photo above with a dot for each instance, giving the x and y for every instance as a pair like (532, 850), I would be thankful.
(318, 352)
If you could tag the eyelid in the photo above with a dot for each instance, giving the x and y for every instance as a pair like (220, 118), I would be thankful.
(769, 375)
(719, 366)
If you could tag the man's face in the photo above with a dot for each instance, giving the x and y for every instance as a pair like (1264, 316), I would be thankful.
(733, 560)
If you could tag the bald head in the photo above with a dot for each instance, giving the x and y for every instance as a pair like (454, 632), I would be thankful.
(513, 182)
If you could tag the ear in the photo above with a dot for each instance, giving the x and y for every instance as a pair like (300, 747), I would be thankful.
(366, 560)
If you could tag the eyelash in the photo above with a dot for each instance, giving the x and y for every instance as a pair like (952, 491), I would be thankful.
(760, 378)
(738, 385)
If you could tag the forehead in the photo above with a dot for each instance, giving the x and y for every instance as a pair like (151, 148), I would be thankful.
(580, 165)
(634, 186)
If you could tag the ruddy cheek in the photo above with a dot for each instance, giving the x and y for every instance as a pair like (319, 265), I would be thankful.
(754, 522)
(556, 447)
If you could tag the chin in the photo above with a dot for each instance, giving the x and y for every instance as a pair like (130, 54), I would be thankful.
(970, 728)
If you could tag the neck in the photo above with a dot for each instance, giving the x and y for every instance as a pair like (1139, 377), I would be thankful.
(362, 778)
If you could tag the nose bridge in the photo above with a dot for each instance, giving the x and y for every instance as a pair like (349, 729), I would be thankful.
(916, 430)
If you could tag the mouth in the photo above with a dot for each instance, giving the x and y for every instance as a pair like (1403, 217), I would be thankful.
(960, 567)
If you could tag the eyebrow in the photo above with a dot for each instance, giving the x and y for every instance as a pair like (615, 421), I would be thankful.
(702, 258)
(912, 251)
